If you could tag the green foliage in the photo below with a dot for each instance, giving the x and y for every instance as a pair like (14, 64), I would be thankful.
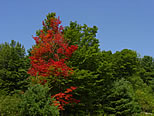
(125, 63)
(147, 62)
(85, 81)
(9, 105)
(143, 93)
(105, 78)
(13, 67)
(147, 72)
(121, 99)
(86, 55)
(145, 99)
(85, 61)
(105, 70)
(36, 101)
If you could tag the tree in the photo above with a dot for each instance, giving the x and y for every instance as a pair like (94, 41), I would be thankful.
(125, 63)
(147, 72)
(121, 99)
(85, 60)
(143, 93)
(13, 67)
(85, 57)
(86, 92)
(147, 62)
(51, 50)
(105, 77)
(49, 59)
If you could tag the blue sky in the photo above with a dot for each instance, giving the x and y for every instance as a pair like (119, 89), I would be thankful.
(121, 23)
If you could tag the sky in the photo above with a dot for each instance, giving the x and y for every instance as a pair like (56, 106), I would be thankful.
(122, 24)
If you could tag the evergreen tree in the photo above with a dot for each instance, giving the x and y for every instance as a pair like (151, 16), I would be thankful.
(147, 72)
(121, 99)
(13, 67)
(36, 101)
(86, 92)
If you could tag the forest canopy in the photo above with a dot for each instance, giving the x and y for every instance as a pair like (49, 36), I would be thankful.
(66, 73)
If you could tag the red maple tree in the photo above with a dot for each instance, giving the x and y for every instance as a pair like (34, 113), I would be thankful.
(49, 57)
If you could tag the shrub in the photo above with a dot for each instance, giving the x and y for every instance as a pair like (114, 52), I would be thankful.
(9, 105)
(36, 101)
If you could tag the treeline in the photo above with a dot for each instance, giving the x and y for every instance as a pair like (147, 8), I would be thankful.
(119, 83)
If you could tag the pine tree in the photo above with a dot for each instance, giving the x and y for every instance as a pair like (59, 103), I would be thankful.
(120, 99)
(13, 67)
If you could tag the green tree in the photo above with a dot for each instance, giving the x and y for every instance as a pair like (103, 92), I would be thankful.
(147, 72)
(86, 92)
(147, 62)
(85, 61)
(36, 101)
(105, 77)
(85, 37)
(121, 99)
(143, 93)
(145, 99)
(13, 67)
(125, 63)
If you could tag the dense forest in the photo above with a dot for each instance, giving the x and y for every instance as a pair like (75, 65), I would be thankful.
(66, 73)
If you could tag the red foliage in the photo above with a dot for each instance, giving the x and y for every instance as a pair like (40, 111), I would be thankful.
(64, 98)
(49, 56)
(51, 49)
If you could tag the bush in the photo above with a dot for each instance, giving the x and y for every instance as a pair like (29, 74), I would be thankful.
(36, 101)
(9, 105)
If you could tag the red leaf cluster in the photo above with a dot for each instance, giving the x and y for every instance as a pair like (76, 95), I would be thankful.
(64, 98)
